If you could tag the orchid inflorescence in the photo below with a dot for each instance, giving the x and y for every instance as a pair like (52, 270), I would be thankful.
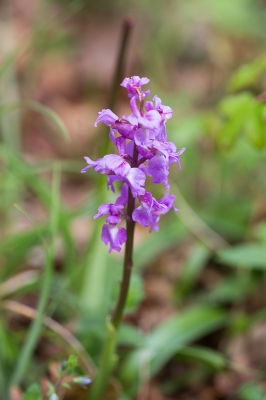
(143, 151)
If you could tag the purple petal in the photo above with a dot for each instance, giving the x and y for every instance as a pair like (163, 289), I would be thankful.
(120, 143)
(149, 105)
(115, 208)
(125, 128)
(154, 224)
(134, 107)
(122, 199)
(142, 215)
(102, 210)
(144, 81)
(91, 163)
(144, 153)
(142, 137)
(110, 181)
(82, 380)
(157, 102)
(107, 117)
(151, 120)
(109, 208)
(175, 157)
(125, 82)
(136, 180)
(158, 169)
(132, 119)
(135, 82)
(147, 200)
(165, 111)
(168, 202)
(113, 235)
(161, 134)
(113, 219)
(112, 135)
(85, 169)
(123, 169)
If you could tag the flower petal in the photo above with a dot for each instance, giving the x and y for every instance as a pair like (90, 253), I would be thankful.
(107, 117)
(113, 235)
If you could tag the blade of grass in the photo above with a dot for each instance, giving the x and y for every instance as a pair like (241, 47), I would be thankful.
(10, 126)
(26, 173)
(60, 330)
(168, 338)
(197, 226)
(33, 105)
(36, 326)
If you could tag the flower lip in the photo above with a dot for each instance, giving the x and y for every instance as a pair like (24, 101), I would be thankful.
(113, 235)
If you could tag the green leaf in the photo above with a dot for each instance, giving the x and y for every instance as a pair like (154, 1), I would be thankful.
(167, 339)
(255, 127)
(35, 329)
(232, 289)
(135, 294)
(251, 391)
(195, 262)
(235, 104)
(236, 108)
(251, 256)
(7, 62)
(98, 278)
(33, 393)
(128, 335)
(33, 105)
(203, 354)
(248, 74)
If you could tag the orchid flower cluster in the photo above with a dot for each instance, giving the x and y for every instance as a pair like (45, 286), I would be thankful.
(143, 150)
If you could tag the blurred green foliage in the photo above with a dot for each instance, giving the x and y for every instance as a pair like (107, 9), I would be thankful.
(207, 62)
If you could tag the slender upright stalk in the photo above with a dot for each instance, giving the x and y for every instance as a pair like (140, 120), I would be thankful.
(128, 258)
(107, 359)
(128, 263)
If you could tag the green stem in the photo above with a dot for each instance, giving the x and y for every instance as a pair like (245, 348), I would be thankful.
(107, 363)
(128, 263)
(128, 259)
(108, 357)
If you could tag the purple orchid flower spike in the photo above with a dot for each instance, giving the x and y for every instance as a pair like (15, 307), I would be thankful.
(143, 150)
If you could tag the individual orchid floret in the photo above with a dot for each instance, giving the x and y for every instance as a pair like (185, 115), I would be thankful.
(113, 164)
(133, 86)
(165, 111)
(113, 235)
(143, 150)
(123, 126)
(162, 207)
(112, 210)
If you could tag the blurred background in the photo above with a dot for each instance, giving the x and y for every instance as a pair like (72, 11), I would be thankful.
(195, 320)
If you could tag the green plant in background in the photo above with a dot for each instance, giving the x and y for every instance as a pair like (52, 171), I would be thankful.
(218, 237)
